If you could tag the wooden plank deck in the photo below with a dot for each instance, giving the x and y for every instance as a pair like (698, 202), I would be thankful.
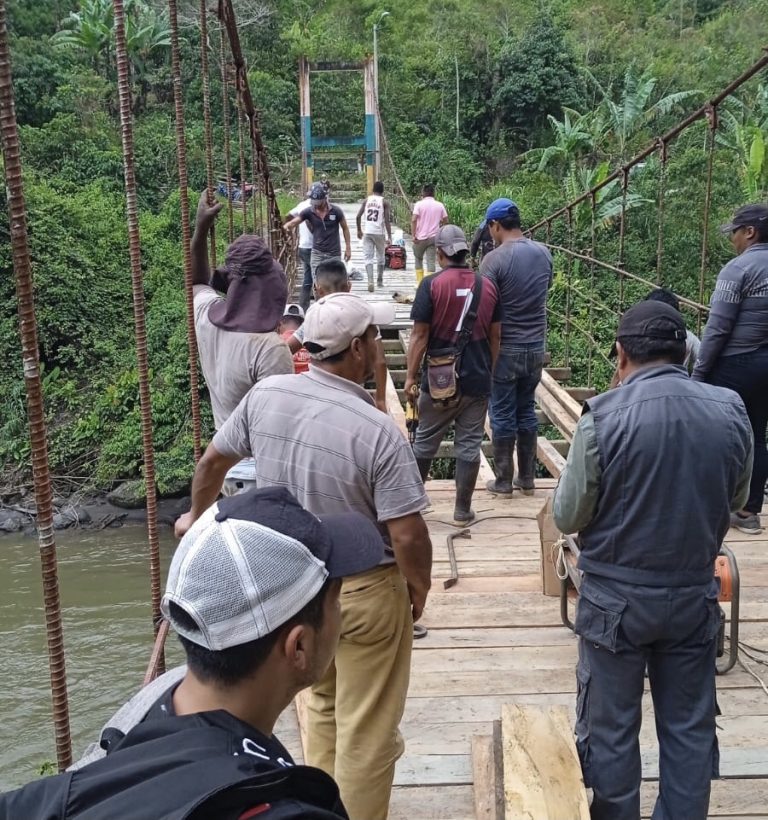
(495, 639)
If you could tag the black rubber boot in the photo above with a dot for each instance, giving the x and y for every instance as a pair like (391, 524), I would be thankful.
(504, 465)
(466, 478)
(306, 296)
(526, 461)
(380, 277)
(424, 464)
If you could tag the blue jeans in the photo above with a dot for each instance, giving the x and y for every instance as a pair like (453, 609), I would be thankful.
(513, 407)
(622, 629)
(304, 257)
(747, 374)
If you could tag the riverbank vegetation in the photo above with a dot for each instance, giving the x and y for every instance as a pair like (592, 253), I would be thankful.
(551, 96)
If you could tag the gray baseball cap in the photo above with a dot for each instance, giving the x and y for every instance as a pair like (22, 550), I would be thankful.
(451, 239)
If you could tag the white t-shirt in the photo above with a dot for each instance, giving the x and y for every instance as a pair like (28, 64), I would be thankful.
(233, 362)
(373, 215)
(305, 235)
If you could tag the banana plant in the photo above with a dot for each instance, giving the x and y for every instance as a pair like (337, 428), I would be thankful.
(744, 131)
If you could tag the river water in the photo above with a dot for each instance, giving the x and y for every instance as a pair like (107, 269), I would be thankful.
(105, 592)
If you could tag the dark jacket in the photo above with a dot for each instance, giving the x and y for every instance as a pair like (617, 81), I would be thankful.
(181, 768)
(672, 453)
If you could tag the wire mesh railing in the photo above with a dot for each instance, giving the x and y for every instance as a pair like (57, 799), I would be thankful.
(590, 293)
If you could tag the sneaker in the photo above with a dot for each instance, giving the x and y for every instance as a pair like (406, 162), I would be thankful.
(749, 524)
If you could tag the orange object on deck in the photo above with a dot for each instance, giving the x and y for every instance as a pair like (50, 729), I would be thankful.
(723, 572)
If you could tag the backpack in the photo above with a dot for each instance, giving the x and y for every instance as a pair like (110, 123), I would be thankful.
(395, 257)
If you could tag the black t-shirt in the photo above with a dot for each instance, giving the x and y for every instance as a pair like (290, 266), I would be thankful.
(441, 301)
(325, 232)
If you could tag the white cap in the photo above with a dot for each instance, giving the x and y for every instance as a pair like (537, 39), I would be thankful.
(335, 320)
(292, 309)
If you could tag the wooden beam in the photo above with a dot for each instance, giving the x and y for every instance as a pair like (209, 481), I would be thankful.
(542, 773)
(581, 394)
(555, 411)
(561, 374)
(549, 457)
(561, 445)
(571, 406)
(487, 775)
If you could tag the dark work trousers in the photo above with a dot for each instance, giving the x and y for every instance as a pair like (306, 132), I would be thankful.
(517, 373)
(305, 255)
(747, 374)
(623, 627)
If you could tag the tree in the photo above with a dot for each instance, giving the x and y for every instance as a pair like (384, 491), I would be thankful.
(574, 136)
(536, 77)
(744, 131)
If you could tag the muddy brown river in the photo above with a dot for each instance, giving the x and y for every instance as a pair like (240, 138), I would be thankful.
(104, 580)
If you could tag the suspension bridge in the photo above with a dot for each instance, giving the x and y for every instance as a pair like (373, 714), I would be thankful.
(494, 638)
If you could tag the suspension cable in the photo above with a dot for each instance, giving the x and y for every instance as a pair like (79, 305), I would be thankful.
(227, 149)
(181, 159)
(207, 122)
(712, 120)
(241, 147)
(38, 439)
(663, 158)
(137, 287)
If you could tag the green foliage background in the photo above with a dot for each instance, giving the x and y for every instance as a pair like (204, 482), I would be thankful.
(521, 69)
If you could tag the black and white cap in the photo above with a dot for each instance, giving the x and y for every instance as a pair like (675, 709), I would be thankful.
(254, 560)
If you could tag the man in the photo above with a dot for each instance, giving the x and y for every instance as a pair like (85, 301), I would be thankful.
(482, 242)
(332, 278)
(439, 313)
(236, 336)
(319, 435)
(650, 505)
(692, 341)
(375, 213)
(305, 251)
(521, 269)
(324, 221)
(428, 215)
(253, 594)
(734, 350)
(290, 324)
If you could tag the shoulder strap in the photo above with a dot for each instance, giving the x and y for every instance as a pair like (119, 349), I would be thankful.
(465, 334)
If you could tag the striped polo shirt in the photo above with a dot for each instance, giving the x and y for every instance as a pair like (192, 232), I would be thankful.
(322, 437)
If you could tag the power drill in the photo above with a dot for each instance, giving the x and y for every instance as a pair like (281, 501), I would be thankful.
(412, 415)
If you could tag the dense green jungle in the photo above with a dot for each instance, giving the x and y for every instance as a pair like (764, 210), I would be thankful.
(534, 99)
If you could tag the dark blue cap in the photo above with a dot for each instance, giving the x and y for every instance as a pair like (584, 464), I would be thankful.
(500, 209)
(347, 543)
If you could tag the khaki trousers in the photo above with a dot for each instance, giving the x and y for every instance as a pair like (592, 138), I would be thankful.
(354, 712)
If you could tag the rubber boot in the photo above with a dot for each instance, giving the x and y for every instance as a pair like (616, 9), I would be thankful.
(526, 461)
(419, 276)
(424, 464)
(306, 296)
(380, 277)
(504, 464)
(466, 478)
(369, 272)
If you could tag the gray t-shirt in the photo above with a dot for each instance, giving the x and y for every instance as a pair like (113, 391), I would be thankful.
(233, 362)
(322, 437)
(521, 269)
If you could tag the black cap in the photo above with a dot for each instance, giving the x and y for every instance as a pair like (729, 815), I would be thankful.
(348, 543)
(318, 191)
(652, 320)
(747, 216)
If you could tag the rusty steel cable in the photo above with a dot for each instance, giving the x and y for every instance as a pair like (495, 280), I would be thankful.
(593, 230)
(210, 181)
(181, 159)
(712, 120)
(226, 141)
(241, 147)
(568, 279)
(663, 158)
(17, 218)
(137, 288)
(277, 235)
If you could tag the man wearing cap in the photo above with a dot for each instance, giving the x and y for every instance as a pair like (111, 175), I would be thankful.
(373, 222)
(236, 336)
(253, 594)
(319, 435)
(428, 215)
(324, 221)
(521, 269)
(651, 507)
(439, 313)
(734, 349)
(305, 251)
(290, 324)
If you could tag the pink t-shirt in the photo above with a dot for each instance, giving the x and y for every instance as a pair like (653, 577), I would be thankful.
(428, 212)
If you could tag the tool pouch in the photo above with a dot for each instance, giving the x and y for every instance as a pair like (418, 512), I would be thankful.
(442, 376)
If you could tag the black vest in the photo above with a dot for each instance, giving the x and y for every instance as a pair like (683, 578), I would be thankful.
(672, 451)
